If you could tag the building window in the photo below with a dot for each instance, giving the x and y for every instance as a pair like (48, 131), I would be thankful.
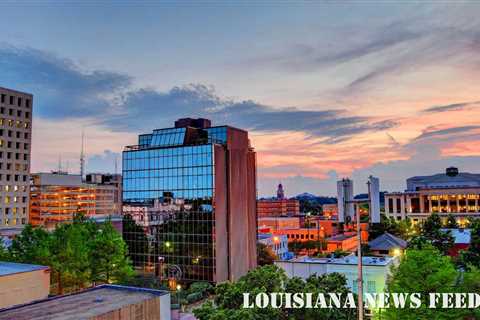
(3, 96)
(27, 103)
(11, 99)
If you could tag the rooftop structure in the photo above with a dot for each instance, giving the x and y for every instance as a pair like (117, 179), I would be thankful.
(8, 268)
(452, 178)
(460, 236)
(106, 302)
(453, 192)
(387, 242)
(375, 269)
(23, 283)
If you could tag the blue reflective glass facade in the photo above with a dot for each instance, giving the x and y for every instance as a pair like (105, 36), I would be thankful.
(175, 184)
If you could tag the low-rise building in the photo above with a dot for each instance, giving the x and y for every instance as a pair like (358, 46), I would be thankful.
(387, 244)
(347, 241)
(278, 223)
(453, 192)
(22, 283)
(375, 269)
(105, 302)
(277, 207)
(278, 244)
(56, 197)
(461, 238)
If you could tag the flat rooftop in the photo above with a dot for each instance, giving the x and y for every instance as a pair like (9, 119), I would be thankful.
(8, 268)
(83, 305)
(348, 260)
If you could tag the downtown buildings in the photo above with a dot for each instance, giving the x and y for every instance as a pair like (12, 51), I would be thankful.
(453, 192)
(15, 146)
(279, 206)
(57, 197)
(193, 187)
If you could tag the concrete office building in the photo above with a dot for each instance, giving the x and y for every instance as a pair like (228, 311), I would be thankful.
(56, 197)
(15, 146)
(22, 283)
(194, 186)
(105, 302)
(108, 179)
(452, 192)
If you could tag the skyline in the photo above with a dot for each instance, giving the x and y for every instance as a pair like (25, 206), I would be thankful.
(396, 97)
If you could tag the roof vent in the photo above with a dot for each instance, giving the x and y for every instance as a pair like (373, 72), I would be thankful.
(452, 171)
(98, 299)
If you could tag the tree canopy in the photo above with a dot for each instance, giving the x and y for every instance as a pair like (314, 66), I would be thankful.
(79, 254)
(228, 302)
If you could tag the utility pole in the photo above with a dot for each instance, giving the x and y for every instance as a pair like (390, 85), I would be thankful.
(360, 268)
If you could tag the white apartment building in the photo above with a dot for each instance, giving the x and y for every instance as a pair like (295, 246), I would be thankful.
(15, 147)
(453, 192)
(278, 244)
(376, 270)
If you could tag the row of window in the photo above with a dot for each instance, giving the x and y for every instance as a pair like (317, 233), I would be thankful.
(16, 123)
(14, 211)
(167, 152)
(18, 134)
(9, 144)
(18, 156)
(11, 112)
(142, 196)
(16, 177)
(300, 236)
(18, 166)
(14, 199)
(13, 100)
(168, 172)
(14, 221)
(14, 188)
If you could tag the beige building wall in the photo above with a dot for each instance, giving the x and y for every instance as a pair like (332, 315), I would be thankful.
(15, 146)
(24, 287)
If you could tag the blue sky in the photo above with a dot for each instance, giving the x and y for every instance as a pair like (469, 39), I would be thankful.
(326, 89)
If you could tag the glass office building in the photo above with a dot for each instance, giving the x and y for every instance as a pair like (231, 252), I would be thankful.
(180, 191)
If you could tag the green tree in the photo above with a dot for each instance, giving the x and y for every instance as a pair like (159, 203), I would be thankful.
(431, 233)
(4, 255)
(70, 253)
(32, 245)
(423, 271)
(471, 257)
(108, 259)
(228, 302)
(265, 255)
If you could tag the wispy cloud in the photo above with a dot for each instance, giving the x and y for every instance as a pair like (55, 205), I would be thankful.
(450, 107)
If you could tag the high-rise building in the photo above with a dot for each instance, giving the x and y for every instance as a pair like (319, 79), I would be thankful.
(193, 190)
(15, 146)
(56, 197)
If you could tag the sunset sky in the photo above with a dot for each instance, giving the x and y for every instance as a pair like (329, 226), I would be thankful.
(326, 90)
